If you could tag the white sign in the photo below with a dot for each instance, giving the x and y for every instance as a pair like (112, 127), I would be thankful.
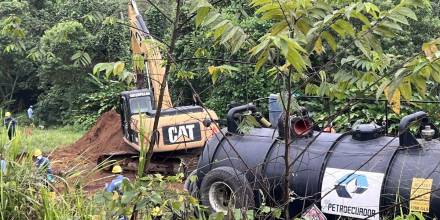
(133, 95)
(352, 194)
(183, 131)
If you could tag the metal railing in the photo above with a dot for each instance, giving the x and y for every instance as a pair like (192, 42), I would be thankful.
(328, 105)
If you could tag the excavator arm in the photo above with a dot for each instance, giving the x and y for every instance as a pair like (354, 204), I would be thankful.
(151, 53)
(183, 130)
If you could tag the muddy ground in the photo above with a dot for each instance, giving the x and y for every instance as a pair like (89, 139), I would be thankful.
(80, 158)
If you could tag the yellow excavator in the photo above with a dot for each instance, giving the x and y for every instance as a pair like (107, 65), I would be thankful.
(183, 130)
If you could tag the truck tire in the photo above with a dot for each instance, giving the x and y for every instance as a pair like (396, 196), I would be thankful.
(225, 187)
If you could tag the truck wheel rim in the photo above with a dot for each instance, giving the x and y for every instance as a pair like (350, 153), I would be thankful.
(220, 197)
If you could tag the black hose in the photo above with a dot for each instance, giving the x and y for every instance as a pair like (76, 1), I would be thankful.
(405, 137)
(232, 125)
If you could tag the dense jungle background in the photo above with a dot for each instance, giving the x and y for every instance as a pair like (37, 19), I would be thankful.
(48, 50)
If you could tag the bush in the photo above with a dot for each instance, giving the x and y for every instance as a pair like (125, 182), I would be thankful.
(91, 106)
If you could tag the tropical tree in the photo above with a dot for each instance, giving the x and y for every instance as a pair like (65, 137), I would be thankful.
(332, 49)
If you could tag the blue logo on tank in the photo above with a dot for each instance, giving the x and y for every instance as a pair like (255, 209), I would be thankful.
(361, 184)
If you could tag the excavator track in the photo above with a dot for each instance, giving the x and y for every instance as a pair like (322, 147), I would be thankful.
(165, 163)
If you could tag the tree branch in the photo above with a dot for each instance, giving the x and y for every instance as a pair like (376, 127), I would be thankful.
(174, 36)
(160, 11)
(215, 59)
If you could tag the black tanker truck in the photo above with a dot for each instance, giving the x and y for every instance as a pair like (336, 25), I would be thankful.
(358, 174)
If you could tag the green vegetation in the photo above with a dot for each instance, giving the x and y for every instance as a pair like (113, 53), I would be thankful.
(48, 51)
(232, 50)
(50, 139)
(45, 139)
(24, 193)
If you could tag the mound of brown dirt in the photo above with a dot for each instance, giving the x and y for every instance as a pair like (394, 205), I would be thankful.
(77, 163)
(104, 137)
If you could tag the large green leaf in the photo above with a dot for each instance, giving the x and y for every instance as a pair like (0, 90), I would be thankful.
(128, 196)
(420, 83)
(361, 17)
(362, 47)
(289, 49)
(318, 48)
(435, 74)
(229, 33)
(311, 89)
(381, 88)
(406, 12)
(213, 16)
(419, 67)
(405, 89)
(261, 60)
(372, 9)
(201, 15)
(330, 40)
(118, 68)
(399, 18)
(392, 25)
(346, 27)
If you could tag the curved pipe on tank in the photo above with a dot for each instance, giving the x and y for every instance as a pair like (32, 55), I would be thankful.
(232, 125)
(406, 139)
(405, 121)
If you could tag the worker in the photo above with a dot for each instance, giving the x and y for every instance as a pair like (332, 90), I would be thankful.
(115, 186)
(30, 113)
(43, 164)
(10, 124)
(3, 165)
(116, 183)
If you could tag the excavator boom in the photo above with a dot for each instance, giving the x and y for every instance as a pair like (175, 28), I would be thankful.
(151, 53)
(182, 130)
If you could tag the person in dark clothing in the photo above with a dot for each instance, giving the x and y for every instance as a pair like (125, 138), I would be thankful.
(10, 124)
(43, 165)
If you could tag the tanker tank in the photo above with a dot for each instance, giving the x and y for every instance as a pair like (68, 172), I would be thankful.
(358, 174)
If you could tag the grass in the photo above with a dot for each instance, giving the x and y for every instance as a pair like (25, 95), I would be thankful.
(46, 139)
(23, 193)
(50, 139)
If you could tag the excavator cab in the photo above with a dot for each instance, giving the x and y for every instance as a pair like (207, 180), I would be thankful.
(183, 131)
(180, 128)
(131, 103)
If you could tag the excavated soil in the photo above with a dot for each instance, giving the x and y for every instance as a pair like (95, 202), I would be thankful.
(79, 159)
(104, 137)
